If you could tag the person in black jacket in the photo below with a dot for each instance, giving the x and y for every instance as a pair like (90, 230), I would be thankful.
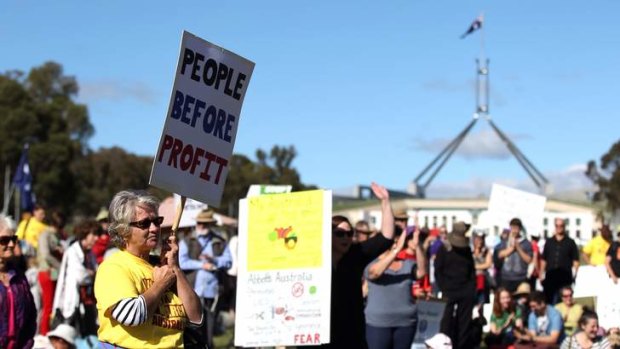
(456, 277)
(348, 262)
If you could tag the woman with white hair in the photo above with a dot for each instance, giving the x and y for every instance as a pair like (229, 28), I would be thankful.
(141, 305)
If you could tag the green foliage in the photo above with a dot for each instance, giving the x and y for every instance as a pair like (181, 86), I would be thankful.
(607, 177)
(40, 109)
(275, 168)
(107, 171)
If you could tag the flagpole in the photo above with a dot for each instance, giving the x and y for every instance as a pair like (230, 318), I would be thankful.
(7, 193)
(482, 37)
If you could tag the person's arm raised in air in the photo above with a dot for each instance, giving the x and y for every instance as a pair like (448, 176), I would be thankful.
(387, 217)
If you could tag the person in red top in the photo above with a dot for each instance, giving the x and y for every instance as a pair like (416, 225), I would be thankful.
(102, 244)
(534, 238)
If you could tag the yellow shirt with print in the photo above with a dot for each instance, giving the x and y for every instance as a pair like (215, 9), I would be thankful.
(29, 230)
(596, 249)
(124, 275)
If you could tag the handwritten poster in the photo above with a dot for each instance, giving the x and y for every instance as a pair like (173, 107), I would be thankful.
(284, 280)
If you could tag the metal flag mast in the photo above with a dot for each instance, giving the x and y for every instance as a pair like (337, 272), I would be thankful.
(422, 181)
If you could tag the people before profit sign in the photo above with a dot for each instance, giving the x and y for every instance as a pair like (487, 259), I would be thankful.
(212, 73)
(215, 121)
(191, 158)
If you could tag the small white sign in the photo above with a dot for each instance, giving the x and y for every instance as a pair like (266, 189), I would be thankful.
(507, 203)
(190, 211)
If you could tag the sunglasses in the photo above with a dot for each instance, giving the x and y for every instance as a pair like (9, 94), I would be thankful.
(341, 233)
(146, 222)
(567, 295)
(4, 240)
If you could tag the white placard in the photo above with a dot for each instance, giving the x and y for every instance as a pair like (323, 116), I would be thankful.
(429, 321)
(190, 211)
(284, 287)
(593, 281)
(507, 203)
(608, 305)
(201, 124)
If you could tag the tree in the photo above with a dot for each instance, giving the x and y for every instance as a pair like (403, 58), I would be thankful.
(607, 177)
(275, 168)
(40, 109)
(103, 173)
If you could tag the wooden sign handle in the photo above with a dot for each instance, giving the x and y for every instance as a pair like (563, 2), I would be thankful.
(175, 226)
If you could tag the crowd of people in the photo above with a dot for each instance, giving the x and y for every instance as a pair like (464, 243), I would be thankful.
(529, 282)
(117, 281)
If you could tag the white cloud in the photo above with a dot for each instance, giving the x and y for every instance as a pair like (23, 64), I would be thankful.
(115, 90)
(484, 144)
(568, 183)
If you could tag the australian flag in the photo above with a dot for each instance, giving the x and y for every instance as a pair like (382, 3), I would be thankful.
(23, 181)
(475, 25)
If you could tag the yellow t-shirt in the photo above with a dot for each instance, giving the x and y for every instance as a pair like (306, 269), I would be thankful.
(570, 316)
(597, 250)
(32, 232)
(124, 275)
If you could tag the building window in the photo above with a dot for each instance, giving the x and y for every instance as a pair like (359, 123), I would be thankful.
(578, 221)
(578, 233)
(545, 221)
(426, 221)
(546, 233)
(444, 220)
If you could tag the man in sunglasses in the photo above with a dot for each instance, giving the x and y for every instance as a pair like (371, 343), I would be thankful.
(202, 255)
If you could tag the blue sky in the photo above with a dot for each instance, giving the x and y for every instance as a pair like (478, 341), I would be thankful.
(365, 90)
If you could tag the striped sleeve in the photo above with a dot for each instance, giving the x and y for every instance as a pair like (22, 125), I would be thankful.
(130, 311)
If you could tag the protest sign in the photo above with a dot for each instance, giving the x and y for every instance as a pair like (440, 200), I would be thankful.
(429, 321)
(588, 281)
(190, 211)
(506, 203)
(262, 189)
(593, 281)
(608, 305)
(284, 279)
(201, 124)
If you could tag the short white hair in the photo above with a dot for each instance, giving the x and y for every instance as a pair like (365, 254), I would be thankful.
(6, 223)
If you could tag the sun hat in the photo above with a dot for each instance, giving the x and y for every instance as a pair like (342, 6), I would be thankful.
(523, 289)
(457, 237)
(65, 332)
(401, 214)
(206, 216)
(102, 215)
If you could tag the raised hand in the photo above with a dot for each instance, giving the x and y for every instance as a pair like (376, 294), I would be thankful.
(380, 192)
(172, 251)
(400, 243)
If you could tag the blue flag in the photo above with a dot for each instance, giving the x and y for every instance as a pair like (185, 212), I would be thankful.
(23, 181)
